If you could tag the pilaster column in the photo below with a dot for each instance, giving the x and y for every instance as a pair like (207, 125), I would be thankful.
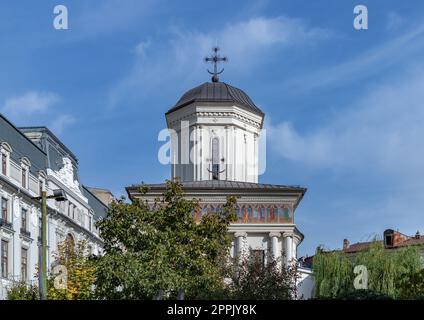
(15, 245)
(201, 153)
(33, 252)
(289, 247)
(274, 242)
(239, 242)
(227, 153)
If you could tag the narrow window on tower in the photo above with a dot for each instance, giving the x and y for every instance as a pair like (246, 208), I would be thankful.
(215, 159)
(4, 163)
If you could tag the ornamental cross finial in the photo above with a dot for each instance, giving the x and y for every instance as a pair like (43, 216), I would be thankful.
(215, 58)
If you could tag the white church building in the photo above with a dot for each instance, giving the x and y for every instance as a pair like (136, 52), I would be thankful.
(215, 133)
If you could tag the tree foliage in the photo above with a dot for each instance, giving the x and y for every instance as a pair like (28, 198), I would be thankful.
(413, 286)
(388, 270)
(333, 274)
(80, 273)
(160, 250)
(390, 273)
(22, 291)
(252, 279)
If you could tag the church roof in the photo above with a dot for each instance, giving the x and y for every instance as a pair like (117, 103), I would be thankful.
(217, 92)
(224, 185)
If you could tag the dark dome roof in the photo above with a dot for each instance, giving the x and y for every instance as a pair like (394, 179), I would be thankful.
(216, 92)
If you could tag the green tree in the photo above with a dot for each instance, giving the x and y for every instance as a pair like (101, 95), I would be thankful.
(333, 273)
(77, 283)
(160, 251)
(253, 279)
(413, 286)
(22, 291)
(388, 271)
(391, 273)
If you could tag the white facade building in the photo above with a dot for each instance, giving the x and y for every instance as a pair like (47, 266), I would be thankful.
(33, 159)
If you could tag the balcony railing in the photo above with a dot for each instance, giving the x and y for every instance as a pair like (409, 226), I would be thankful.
(5, 223)
(25, 233)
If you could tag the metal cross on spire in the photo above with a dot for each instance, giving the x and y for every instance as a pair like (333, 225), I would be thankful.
(215, 58)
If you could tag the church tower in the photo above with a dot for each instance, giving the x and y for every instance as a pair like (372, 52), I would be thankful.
(215, 141)
(215, 130)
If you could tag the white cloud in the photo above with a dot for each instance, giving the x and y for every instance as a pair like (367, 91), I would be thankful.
(255, 36)
(141, 48)
(369, 62)
(37, 108)
(366, 159)
(394, 21)
(374, 149)
(382, 131)
(59, 124)
(29, 103)
(179, 59)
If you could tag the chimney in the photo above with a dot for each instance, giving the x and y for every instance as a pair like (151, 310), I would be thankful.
(345, 244)
(417, 235)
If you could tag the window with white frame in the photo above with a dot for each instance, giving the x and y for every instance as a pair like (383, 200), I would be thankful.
(24, 177)
(25, 165)
(5, 151)
(4, 163)
(5, 209)
(90, 223)
(24, 264)
(215, 158)
(4, 258)
(24, 219)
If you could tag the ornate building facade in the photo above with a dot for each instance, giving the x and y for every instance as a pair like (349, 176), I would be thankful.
(34, 159)
(215, 131)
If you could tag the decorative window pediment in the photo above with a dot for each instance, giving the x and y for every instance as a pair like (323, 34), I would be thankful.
(25, 162)
(4, 146)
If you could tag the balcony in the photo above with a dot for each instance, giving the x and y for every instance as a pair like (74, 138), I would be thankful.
(25, 233)
(6, 224)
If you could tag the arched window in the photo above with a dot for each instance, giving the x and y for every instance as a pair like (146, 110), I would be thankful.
(25, 165)
(215, 158)
(5, 151)
(70, 244)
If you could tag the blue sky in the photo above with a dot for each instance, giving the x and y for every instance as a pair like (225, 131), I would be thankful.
(344, 108)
